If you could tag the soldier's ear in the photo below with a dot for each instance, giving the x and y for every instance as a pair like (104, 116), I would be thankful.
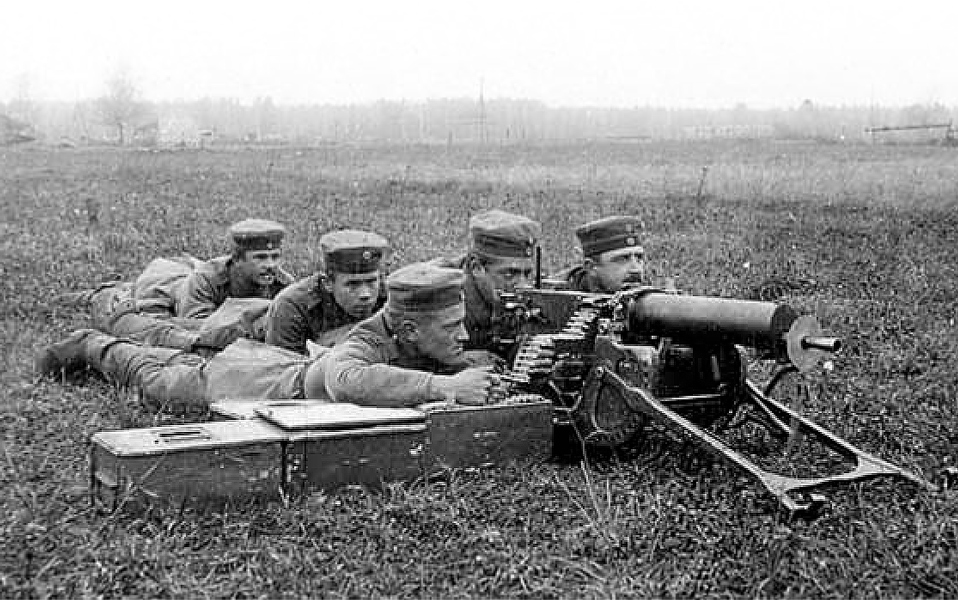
(588, 263)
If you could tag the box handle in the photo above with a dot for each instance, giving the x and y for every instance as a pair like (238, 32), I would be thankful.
(177, 436)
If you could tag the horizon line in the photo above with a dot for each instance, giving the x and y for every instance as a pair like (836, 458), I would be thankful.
(502, 99)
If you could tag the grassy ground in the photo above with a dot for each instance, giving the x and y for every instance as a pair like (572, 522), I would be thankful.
(862, 236)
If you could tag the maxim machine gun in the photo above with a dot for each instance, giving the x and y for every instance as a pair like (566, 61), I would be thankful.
(613, 363)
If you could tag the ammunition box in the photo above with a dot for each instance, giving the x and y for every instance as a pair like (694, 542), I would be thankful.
(488, 436)
(268, 448)
(205, 462)
(331, 445)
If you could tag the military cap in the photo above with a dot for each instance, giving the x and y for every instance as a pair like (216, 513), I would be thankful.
(257, 234)
(496, 233)
(610, 233)
(423, 288)
(353, 251)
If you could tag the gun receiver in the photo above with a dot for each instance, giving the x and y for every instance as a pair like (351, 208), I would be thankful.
(612, 363)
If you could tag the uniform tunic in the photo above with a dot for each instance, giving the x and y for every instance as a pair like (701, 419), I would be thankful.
(370, 368)
(306, 310)
(213, 282)
(151, 310)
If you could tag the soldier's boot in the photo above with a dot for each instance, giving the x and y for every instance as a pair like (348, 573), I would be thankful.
(83, 349)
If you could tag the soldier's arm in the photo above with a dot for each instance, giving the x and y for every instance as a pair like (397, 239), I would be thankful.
(287, 326)
(355, 371)
(197, 297)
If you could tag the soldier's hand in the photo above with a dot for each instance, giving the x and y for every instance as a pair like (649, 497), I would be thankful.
(483, 358)
(470, 386)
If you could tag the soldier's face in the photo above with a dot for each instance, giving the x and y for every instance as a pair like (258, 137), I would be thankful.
(442, 337)
(505, 275)
(617, 268)
(355, 293)
(259, 266)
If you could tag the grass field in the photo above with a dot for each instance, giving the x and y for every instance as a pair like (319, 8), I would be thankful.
(863, 236)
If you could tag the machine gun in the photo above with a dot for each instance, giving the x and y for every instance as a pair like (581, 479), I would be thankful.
(613, 363)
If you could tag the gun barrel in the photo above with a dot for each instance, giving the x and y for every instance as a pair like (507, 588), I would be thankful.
(820, 342)
(746, 322)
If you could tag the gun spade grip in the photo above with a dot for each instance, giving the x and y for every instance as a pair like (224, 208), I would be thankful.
(746, 322)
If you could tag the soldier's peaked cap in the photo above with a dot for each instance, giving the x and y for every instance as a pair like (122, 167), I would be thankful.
(353, 251)
(257, 234)
(424, 288)
(610, 233)
(497, 233)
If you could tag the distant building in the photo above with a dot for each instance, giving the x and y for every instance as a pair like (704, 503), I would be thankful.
(178, 130)
(146, 132)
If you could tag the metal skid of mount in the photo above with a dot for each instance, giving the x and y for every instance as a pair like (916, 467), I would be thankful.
(796, 494)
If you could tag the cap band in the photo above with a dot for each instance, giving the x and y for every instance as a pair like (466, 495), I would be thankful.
(354, 260)
(259, 243)
(609, 233)
(425, 301)
(610, 243)
(423, 287)
(496, 246)
(257, 234)
(496, 233)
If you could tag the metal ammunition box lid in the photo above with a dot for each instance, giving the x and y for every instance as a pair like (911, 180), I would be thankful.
(337, 416)
(194, 436)
(245, 408)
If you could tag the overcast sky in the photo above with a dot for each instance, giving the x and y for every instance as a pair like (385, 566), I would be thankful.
(691, 53)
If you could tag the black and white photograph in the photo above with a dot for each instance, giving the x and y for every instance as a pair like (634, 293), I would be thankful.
(529, 299)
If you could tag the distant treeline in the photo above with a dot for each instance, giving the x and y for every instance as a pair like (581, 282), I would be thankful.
(222, 121)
